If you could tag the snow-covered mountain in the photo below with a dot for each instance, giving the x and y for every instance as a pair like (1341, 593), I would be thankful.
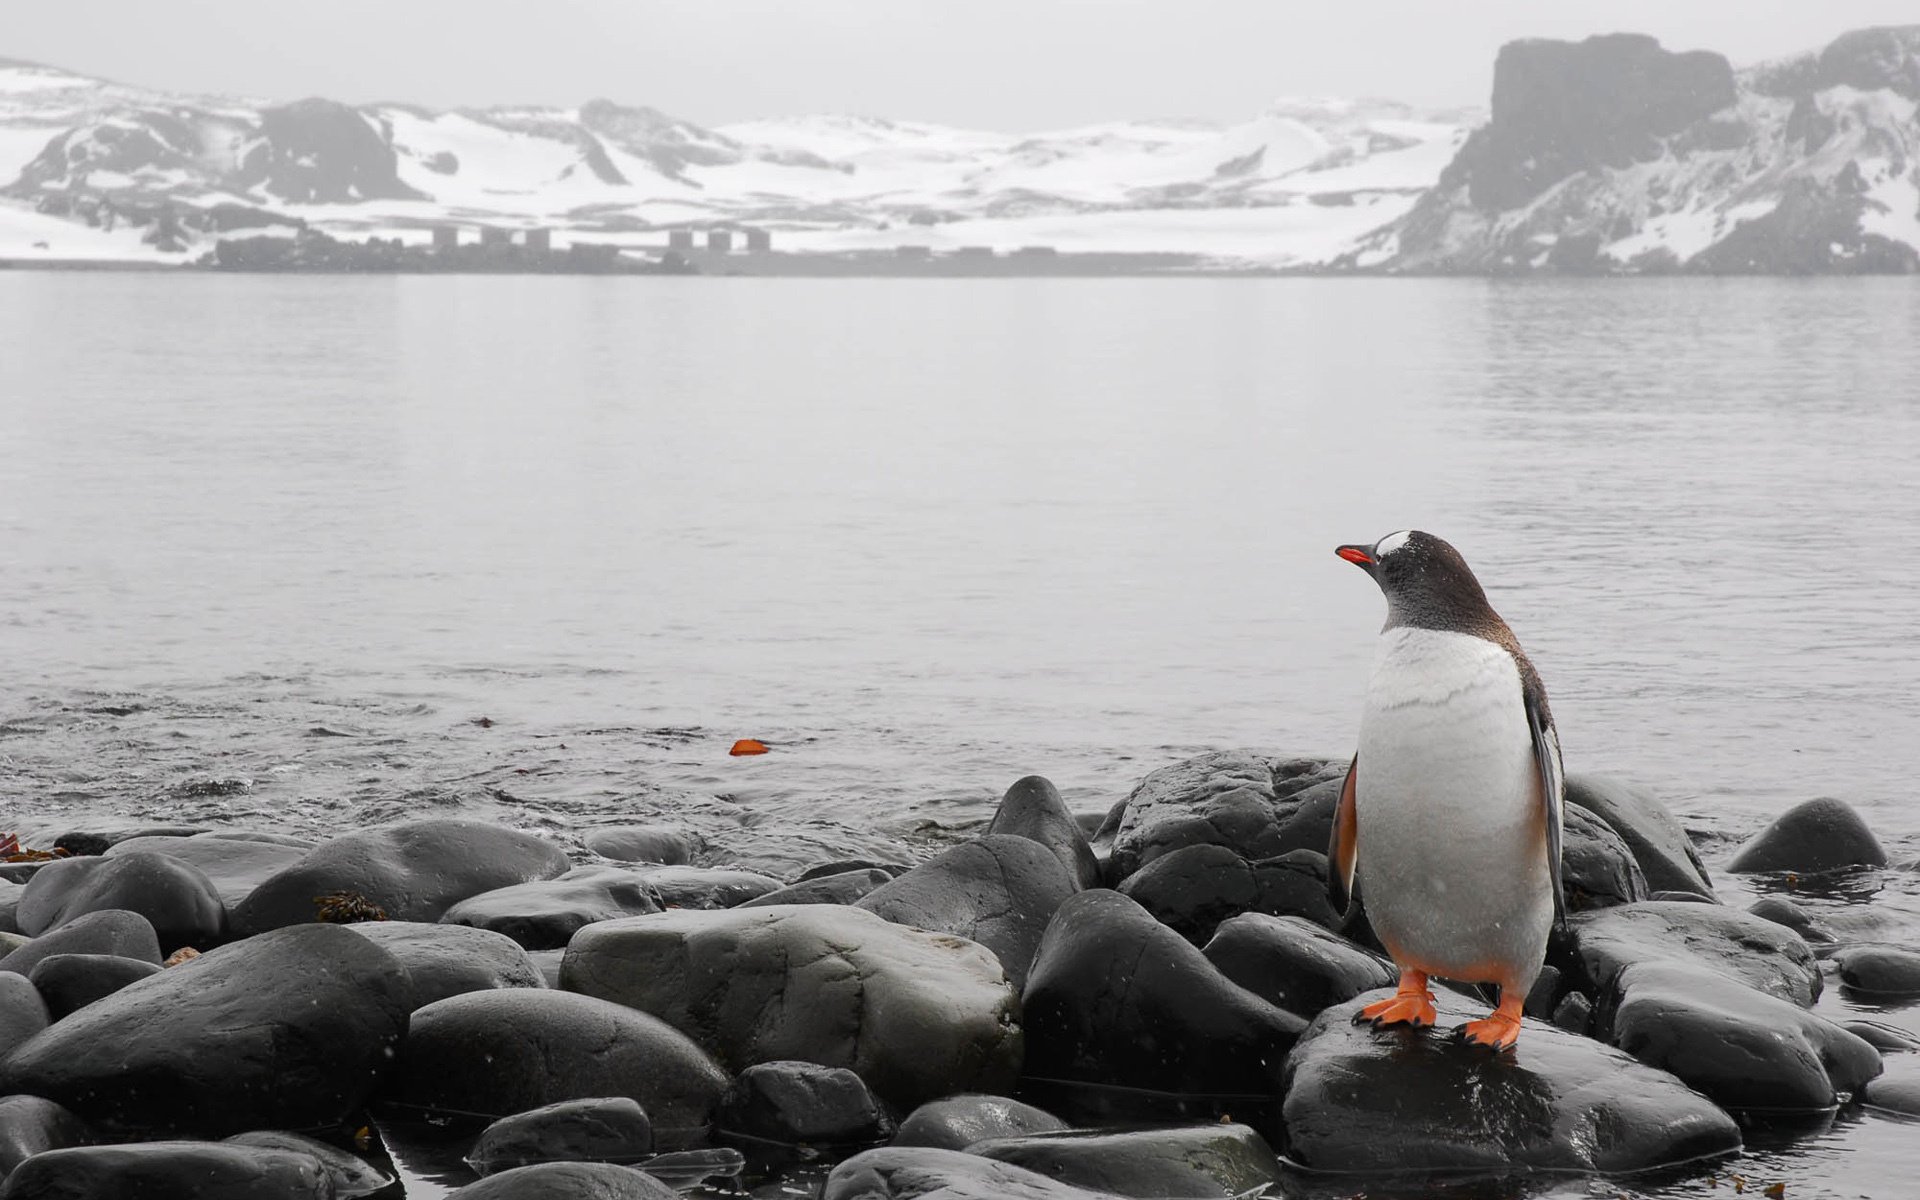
(1614, 155)
(97, 168)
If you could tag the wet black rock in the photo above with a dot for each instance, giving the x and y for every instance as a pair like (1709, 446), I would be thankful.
(1782, 911)
(1032, 808)
(116, 931)
(545, 914)
(69, 982)
(802, 1104)
(1897, 1089)
(1225, 798)
(235, 866)
(1117, 998)
(567, 1181)
(175, 897)
(505, 1052)
(287, 1030)
(23, 1011)
(1361, 1099)
(847, 887)
(1195, 888)
(1310, 825)
(1733, 944)
(1597, 867)
(1294, 964)
(706, 887)
(1666, 856)
(1887, 1039)
(202, 1170)
(925, 1173)
(81, 841)
(607, 1129)
(1574, 1013)
(642, 844)
(413, 872)
(1879, 970)
(1820, 835)
(996, 890)
(1217, 1160)
(841, 866)
(956, 1122)
(1741, 1048)
(351, 1174)
(447, 960)
(915, 1014)
(30, 1125)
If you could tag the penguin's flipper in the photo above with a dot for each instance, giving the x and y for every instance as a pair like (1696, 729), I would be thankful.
(1343, 847)
(1546, 756)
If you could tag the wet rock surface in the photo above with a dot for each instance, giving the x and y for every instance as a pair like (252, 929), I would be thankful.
(925, 1173)
(706, 887)
(30, 1125)
(175, 897)
(234, 865)
(568, 1181)
(1295, 964)
(503, 1052)
(641, 844)
(956, 1122)
(116, 931)
(23, 1011)
(202, 1170)
(610, 1129)
(802, 1104)
(1735, 945)
(1821, 835)
(68, 982)
(1597, 867)
(1660, 845)
(996, 890)
(448, 960)
(412, 872)
(1217, 1160)
(1226, 799)
(845, 887)
(1033, 808)
(917, 1015)
(1361, 1099)
(1195, 888)
(1890, 971)
(545, 914)
(1897, 1089)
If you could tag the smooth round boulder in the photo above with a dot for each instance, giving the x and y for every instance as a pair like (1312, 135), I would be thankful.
(706, 887)
(165, 1170)
(447, 960)
(802, 1104)
(1221, 1160)
(92, 843)
(1821, 835)
(996, 890)
(1887, 1039)
(915, 1014)
(545, 914)
(641, 844)
(351, 1174)
(1877, 970)
(288, 1030)
(1597, 867)
(23, 1010)
(1737, 945)
(1117, 998)
(412, 872)
(840, 866)
(1358, 1099)
(235, 866)
(1294, 964)
(503, 1052)
(69, 982)
(1659, 843)
(1226, 798)
(31, 1125)
(956, 1122)
(116, 931)
(1193, 889)
(1782, 911)
(1033, 808)
(847, 887)
(10, 894)
(567, 1181)
(1897, 1090)
(175, 897)
(926, 1173)
(611, 1129)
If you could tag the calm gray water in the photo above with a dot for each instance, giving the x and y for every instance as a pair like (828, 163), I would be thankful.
(274, 547)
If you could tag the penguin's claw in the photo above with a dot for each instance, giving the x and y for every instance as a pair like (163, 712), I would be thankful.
(1407, 1008)
(1497, 1032)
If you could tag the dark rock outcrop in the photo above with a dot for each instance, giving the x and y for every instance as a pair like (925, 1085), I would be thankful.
(351, 1174)
(448, 960)
(613, 1129)
(1033, 808)
(1735, 945)
(115, 931)
(915, 1014)
(1218, 1160)
(288, 1030)
(1360, 1099)
(1294, 964)
(175, 897)
(321, 152)
(706, 887)
(1660, 845)
(1820, 835)
(1116, 998)
(504, 1052)
(956, 1122)
(413, 872)
(202, 1170)
(925, 1173)
(69, 982)
(1597, 867)
(1193, 889)
(802, 1104)
(545, 914)
(997, 890)
(567, 1181)
(1225, 798)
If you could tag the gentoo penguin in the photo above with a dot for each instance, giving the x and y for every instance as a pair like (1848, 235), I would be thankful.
(1450, 815)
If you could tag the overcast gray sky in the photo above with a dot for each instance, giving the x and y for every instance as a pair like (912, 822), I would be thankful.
(1007, 64)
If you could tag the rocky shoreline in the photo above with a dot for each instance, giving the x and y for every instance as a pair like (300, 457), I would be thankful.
(1153, 1002)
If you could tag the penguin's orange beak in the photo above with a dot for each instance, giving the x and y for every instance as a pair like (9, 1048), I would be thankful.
(1357, 555)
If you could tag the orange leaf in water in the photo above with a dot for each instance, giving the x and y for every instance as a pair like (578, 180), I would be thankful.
(748, 746)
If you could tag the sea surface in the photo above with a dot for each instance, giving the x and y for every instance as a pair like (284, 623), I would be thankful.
(309, 553)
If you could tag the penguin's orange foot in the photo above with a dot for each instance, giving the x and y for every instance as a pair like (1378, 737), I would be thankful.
(1496, 1032)
(1408, 1008)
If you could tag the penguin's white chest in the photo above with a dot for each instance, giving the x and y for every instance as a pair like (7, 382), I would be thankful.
(1450, 827)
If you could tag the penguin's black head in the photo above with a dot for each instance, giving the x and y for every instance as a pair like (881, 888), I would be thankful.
(1425, 580)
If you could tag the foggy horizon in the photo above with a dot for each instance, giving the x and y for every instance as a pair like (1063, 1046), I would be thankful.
(753, 59)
